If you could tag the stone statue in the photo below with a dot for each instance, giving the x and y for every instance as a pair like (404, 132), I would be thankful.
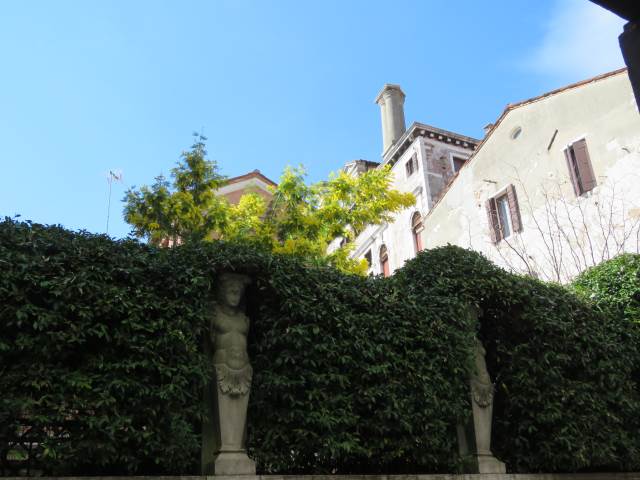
(475, 438)
(227, 398)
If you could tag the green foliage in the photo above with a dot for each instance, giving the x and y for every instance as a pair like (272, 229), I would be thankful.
(186, 210)
(301, 220)
(614, 284)
(101, 346)
(566, 394)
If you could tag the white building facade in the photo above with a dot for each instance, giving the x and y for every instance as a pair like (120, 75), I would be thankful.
(423, 160)
(553, 188)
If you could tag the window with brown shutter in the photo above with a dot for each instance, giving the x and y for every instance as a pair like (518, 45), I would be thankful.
(503, 213)
(384, 261)
(514, 208)
(580, 169)
(416, 231)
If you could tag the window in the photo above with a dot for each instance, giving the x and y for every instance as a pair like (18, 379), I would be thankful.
(580, 169)
(504, 218)
(504, 214)
(367, 257)
(411, 165)
(384, 261)
(457, 163)
(416, 231)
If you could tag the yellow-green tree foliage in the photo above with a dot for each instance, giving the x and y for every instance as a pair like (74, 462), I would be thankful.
(300, 220)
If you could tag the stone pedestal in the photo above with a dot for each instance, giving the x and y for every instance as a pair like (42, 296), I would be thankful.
(233, 463)
(474, 438)
(490, 464)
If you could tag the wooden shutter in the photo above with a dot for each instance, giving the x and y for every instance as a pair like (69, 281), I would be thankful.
(384, 260)
(584, 165)
(572, 173)
(492, 215)
(514, 209)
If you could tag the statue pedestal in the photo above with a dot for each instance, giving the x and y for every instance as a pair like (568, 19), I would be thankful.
(489, 464)
(233, 463)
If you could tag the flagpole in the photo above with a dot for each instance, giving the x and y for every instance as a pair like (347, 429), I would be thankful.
(117, 176)
(109, 202)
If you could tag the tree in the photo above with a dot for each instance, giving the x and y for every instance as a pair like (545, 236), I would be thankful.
(186, 210)
(301, 219)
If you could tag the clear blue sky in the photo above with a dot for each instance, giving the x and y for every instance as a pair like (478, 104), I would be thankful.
(91, 86)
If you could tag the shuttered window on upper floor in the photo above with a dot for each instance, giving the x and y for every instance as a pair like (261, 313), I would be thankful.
(580, 168)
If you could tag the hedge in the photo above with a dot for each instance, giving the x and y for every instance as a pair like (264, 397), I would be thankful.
(101, 367)
(565, 393)
(614, 284)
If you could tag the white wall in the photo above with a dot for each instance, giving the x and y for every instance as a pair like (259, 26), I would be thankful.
(397, 235)
(561, 233)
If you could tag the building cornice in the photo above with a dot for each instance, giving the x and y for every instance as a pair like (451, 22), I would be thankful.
(428, 132)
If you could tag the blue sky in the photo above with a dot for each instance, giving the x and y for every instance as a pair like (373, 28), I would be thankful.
(91, 86)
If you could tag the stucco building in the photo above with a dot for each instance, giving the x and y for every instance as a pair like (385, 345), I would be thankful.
(554, 186)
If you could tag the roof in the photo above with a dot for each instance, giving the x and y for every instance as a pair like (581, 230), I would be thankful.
(247, 176)
(513, 106)
(623, 8)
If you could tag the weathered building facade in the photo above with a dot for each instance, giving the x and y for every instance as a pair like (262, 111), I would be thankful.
(423, 160)
(554, 187)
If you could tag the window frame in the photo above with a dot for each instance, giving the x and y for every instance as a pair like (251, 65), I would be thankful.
(502, 200)
(453, 164)
(508, 195)
(411, 165)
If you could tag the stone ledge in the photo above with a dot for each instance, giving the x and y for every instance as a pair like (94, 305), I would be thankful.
(443, 476)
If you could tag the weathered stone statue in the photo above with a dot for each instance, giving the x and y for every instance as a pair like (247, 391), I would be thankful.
(227, 398)
(474, 439)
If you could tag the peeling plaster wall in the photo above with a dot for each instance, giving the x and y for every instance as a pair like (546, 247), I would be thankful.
(561, 233)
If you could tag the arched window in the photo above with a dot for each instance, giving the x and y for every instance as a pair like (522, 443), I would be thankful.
(416, 231)
(384, 260)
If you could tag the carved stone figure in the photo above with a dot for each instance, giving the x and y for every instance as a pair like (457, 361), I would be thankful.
(475, 438)
(227, 398)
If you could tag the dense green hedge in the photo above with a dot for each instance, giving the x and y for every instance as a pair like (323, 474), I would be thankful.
(100, 357)
(565, 397)
(97, 347)
(614, 284)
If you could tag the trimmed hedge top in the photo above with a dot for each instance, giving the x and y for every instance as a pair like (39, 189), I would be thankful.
(102, 372)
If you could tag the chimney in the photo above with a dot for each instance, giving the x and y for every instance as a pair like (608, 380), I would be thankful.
(391, 101)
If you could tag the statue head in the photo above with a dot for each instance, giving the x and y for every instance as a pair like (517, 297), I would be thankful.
(231, 288)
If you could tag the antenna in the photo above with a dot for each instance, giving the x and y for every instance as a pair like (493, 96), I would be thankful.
(111, 176)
